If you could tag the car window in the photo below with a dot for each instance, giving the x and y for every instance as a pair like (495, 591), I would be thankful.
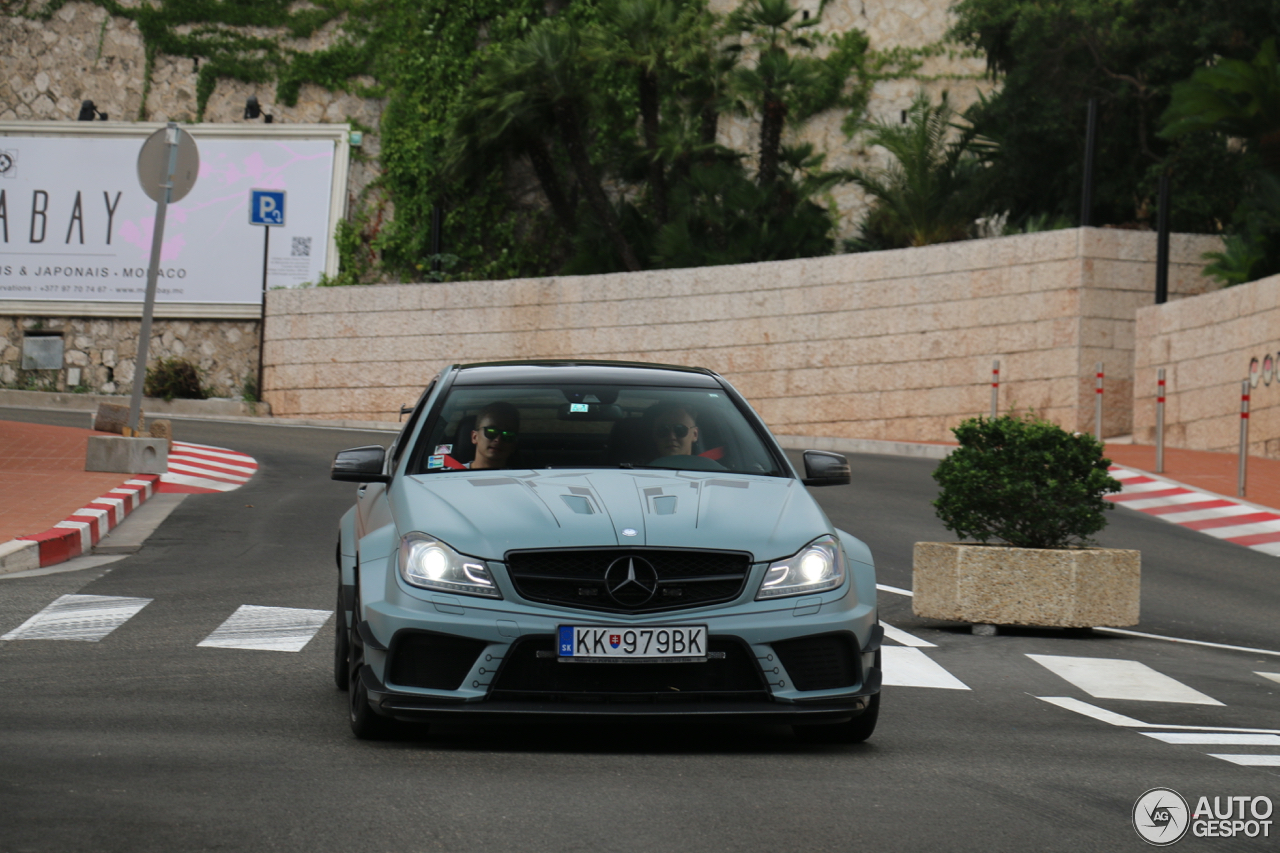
(590, 427)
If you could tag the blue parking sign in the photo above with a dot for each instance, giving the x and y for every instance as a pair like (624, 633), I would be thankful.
(266, 207)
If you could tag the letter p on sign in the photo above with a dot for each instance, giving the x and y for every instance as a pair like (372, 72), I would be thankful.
(266, 207)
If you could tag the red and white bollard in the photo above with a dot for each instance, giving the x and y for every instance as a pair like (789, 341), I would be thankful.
(1097, 409)
(1160, 421)
(995, 387)
(1244, 434)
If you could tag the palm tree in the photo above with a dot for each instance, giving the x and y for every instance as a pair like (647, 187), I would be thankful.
(936, 186)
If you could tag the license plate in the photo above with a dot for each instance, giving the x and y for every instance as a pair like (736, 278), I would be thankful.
(616, 644)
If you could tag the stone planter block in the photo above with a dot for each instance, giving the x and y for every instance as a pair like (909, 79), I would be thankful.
(1067, 588)
(122, 455)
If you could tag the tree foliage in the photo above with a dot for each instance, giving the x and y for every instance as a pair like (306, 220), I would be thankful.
(936, 185)
(1052, 56)
(612, 115)
(1023, 481)
(1238, 98)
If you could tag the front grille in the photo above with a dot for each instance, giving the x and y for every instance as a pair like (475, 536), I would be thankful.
(596, 579)
(821, 662)
(434, 661)
(525, 676)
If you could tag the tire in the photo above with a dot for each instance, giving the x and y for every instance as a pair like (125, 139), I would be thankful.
(856, 730)
(366, 723)
(341, 646)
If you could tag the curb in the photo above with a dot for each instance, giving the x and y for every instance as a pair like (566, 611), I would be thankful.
(80, 531)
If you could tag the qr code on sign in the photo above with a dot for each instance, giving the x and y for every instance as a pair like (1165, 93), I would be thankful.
(302, 247)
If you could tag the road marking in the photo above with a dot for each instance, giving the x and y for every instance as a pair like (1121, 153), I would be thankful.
(1248, 649)
(1100, 714)
(271, 629)
(88, 618)
(1129, 722)
(900, 636)
(1202, 738)
(200, 468)
(1274, 676)
(906, 667)
(1249, 760)
(1105, 678)
(884, 587)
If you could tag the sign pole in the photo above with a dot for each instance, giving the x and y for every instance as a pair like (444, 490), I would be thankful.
(262, 320)
(266, 208)
(153, 271)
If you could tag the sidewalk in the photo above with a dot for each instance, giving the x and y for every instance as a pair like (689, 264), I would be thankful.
(51, 509)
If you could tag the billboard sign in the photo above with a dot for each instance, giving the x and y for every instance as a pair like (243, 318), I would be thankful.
(76, 226)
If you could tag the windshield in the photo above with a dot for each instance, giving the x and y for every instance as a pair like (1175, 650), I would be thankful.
(529, 426)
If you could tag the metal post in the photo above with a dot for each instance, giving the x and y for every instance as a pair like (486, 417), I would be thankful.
(1160, 421)
(1244, 434)
(1090, 146)
(995, 387)
(1097, 408)
(262, 317)
(1162, 243)
(153, 270)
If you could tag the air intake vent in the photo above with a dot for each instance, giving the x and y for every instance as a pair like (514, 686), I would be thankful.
(822, 662)
(433, 661)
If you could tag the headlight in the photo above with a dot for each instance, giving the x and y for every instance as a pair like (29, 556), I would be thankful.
(428, 563)
(816, 567)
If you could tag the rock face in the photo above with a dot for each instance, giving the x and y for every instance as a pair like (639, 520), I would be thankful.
(1064, 588)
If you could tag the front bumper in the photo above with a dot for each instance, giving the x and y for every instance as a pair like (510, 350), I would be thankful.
(428, 656)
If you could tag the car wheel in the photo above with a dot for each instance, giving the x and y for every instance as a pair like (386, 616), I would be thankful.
(341, 646)
(366, 723)
(856, 730)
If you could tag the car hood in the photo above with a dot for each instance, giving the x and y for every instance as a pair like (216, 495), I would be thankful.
(486, 514)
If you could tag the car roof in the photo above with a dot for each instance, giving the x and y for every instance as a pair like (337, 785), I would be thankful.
(588, 372)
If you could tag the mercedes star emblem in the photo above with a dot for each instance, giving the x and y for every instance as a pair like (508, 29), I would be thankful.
(631, 581)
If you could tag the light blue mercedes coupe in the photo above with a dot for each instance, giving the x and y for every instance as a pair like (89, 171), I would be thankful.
(546, 540)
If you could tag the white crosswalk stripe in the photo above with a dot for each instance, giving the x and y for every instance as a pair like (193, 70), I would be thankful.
(88, 618)
(1216, 738)
(1106, 678)
(275, 629)
(908, 667)
(1249, 760)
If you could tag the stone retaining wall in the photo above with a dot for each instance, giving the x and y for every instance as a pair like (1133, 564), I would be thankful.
(887, 345)
(1208, 346)
(99, 354)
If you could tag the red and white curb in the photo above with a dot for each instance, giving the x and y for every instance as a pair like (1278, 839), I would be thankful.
(201, 469)
(192, 469)
(81, 530)
(1234, 520)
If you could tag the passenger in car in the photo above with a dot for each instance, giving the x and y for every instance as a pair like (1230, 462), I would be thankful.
(495, 435)
(675, 429)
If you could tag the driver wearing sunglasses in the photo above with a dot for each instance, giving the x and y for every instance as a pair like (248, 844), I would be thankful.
(674, 431)
(497, 428)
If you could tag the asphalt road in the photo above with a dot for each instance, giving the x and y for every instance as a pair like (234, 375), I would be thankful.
(146, 741)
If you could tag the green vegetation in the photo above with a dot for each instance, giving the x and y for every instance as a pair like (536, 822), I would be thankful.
(935, 188)
(174, 377)
(1052, 56)
(1023, 481)
(1240, 99)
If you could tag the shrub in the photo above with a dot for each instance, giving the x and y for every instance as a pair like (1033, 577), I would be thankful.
(1025, 481)
(174, 377)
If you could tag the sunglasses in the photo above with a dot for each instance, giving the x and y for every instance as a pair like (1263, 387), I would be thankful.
(493, 433)
(678, 430)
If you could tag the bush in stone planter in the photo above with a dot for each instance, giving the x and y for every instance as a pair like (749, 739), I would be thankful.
(1024, 481)
(174, 377)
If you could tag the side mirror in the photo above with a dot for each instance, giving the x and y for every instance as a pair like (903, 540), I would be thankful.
(825, 469)
(360, 465)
